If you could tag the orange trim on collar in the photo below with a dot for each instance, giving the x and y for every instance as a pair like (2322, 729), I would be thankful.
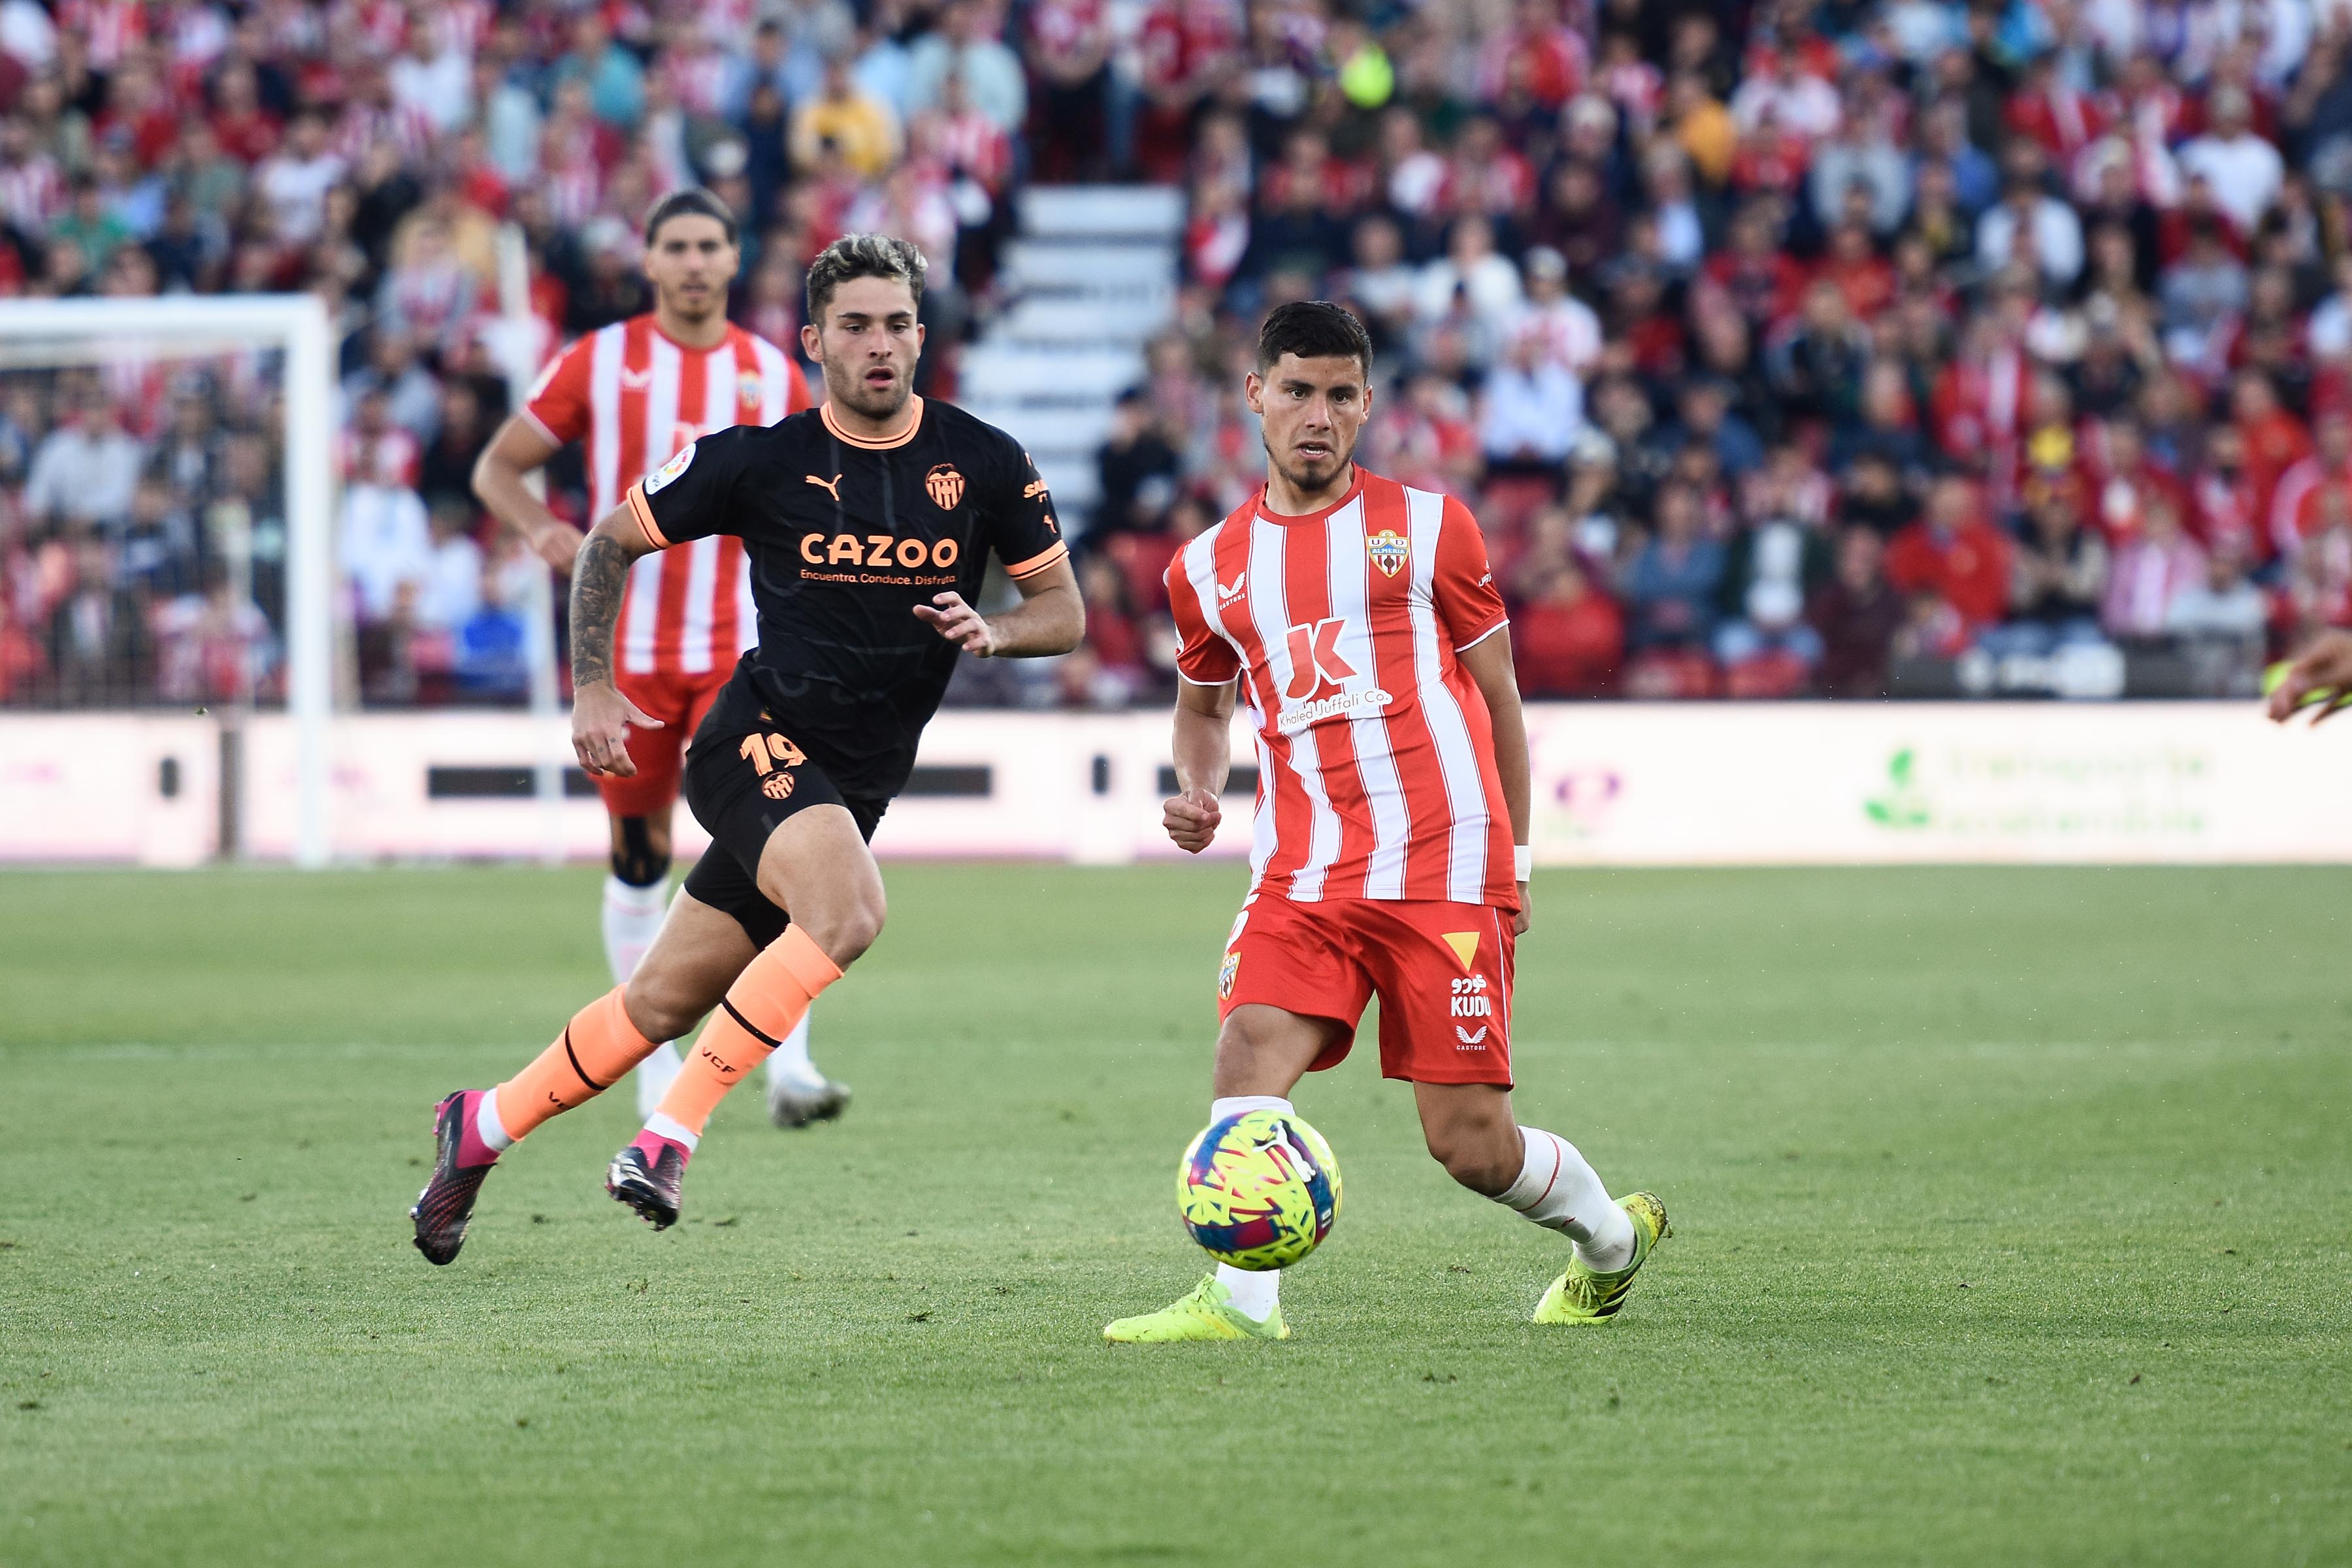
(915, 422)
(644, 516)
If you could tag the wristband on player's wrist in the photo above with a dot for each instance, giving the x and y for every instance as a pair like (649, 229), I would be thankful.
(1523, 861)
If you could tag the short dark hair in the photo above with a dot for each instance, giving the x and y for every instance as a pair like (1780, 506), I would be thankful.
(863, 256)
(1313, 329)
(691, 202)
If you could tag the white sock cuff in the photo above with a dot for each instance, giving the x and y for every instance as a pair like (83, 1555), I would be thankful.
(677, 1132)
(1234, 1104)
(630, 898)
(487, 1125)
(1253, 1293)
(1538, 1170)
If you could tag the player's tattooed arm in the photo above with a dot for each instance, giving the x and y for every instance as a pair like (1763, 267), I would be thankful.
(601, 716)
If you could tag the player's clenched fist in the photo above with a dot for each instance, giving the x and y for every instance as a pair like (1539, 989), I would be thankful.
(601, 718)
(1191, 820)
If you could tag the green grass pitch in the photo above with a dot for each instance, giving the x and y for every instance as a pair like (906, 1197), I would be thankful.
(2012, 1209)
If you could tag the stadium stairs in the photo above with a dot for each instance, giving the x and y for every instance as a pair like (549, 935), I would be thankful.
(1092, 278)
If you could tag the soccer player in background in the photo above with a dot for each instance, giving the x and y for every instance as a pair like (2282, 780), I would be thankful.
(869, 522)
(1359, 620)
(637, 392)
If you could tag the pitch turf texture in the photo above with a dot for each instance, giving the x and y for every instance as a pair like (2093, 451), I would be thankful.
(2012, 1224)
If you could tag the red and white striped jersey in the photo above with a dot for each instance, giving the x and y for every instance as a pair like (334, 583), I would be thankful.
(1376, 754)
(638, 398)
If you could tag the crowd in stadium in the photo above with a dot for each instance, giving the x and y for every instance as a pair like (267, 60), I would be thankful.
(1782, 348)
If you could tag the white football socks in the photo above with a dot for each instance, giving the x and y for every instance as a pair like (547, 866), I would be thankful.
(1557, 1190)
(488, 1127)
(789, 1063)
(633, 918)
(1254, 1292)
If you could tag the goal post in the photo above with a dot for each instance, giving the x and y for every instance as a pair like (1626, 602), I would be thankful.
(57, 332)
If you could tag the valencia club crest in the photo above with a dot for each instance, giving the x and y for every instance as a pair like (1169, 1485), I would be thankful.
(945, 485)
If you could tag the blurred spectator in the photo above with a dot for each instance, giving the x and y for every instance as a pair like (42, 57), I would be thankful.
(1567, 637)
(1856, 615)
(87, 467)
(964, 48)
(214, 644)
(2058, 579)
(1137, 468)
(1770, 574)
(449, 589)
(1954, 556)
(2153, 570)
(99, 648)
(1531, 411)
(386, 544)
(2245, 170)
(1470, 270)
(1673, 583)
(846, 118)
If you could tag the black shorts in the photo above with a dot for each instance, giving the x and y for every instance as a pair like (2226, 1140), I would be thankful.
(744, 776)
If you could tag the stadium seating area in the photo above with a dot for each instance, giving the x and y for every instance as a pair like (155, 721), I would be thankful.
(1832, 349)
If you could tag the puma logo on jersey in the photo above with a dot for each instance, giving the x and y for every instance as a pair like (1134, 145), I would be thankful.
(831, 486)
(1228, 593)
(1471, 1042)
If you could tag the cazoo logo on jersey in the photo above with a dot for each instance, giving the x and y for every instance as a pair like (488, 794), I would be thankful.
(1318, 678)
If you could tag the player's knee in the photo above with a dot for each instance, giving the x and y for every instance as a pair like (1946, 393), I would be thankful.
(659, 1007)
(845, 927)
(1472, 1156)
(640, 851)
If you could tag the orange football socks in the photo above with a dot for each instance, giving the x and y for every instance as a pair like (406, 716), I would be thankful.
(760, 1008)
(595, 1052)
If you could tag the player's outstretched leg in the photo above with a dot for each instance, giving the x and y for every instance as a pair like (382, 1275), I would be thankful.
(760, 1009)
(1228, 1303)
(1472, 1132)
(473, 1127)
(815, 866)
(1262, 1051)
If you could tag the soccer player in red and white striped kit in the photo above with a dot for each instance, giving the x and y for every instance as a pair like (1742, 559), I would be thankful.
(637, 393)
(1358, 620)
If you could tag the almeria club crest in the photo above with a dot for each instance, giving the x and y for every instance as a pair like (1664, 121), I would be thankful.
(945, 485)
(1388, 550)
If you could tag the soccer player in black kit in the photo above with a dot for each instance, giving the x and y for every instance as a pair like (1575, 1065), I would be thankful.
(869, 523)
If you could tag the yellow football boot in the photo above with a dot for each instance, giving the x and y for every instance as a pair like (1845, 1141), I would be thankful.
(1205, 1312)
(1584, 1294)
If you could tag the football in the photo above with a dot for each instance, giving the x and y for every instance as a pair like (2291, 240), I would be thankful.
(1259, 1190)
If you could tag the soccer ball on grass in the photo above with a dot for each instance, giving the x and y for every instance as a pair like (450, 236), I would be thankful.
(1258, 1190)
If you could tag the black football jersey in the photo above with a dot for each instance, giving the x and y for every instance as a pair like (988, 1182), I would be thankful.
(845, 537)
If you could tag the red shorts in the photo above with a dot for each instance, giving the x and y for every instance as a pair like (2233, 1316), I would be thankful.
(679, 702)
(1442, 972)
